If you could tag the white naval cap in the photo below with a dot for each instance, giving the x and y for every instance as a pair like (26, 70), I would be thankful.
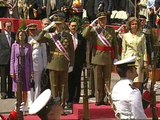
(129, 61)
(40, 102)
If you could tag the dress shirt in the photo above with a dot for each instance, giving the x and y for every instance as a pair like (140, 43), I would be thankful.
(75, 40)
(8, 35)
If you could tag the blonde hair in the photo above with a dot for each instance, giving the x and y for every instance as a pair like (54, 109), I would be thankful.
(130, 20)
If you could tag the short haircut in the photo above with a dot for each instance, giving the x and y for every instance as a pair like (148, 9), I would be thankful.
(8, 21)
(122, 69)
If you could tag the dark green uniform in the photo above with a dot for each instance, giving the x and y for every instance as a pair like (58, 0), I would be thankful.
(102, 57)
(58, 64)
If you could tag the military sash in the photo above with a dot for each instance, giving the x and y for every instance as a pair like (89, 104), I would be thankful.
(102, 38)
(59, 46)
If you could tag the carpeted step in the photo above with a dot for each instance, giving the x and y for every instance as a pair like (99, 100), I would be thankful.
(97, 112)
(35, 117)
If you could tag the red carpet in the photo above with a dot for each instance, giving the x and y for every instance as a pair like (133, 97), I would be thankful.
(95, 113)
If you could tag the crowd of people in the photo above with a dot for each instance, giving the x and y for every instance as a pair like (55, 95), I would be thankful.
(61, 50)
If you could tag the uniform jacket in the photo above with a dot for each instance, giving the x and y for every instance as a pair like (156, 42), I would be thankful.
(134, 46)
(58, 62)
(5, 49)
(39, 54)
(101, 57)
(129, 105)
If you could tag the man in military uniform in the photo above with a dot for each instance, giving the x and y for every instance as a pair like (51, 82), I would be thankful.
(104, 44)
(126, 98)
(61, 57)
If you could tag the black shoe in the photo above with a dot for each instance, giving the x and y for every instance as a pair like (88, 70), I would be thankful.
(91, 96)
(69, 105)
(4, 97)
(11, 96)
(98, 103)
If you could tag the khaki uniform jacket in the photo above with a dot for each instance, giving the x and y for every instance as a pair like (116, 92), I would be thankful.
(134, 46)
(101, 57)
(58, 61)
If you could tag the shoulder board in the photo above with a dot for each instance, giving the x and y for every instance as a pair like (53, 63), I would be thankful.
(132, 86)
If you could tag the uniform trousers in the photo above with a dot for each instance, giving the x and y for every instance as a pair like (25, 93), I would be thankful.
(102, 76)
(32, 95)
(59, 84)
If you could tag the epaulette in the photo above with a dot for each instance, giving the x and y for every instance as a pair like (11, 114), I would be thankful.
(132, 86)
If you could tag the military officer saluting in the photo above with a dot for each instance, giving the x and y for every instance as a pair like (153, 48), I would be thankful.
(104, 51)
(61, 57)
(126, 98)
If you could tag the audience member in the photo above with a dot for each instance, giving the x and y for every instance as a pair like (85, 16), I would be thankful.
(74, 77)
(39, 57)
(6, 40)
(134, 44)
(21, 57)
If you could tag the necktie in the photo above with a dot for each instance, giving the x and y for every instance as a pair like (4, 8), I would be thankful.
(9, 39)
(74, 41)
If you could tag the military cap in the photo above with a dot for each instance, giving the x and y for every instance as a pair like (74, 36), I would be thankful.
(130, 61)
(101, 15)
(142, 17)
(40, 102)
(59, 17)
(32, 26)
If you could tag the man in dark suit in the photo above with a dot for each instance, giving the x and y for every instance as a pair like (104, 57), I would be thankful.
(74, 77)
(6, 40)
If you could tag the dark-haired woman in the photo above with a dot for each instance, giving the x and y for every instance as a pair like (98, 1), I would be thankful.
(21, 48)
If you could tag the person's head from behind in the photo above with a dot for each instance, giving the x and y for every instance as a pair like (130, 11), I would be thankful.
(51, 111)
(46, 107)
(126, 68)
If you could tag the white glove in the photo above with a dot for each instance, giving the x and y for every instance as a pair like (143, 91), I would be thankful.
(115, 60)
(93, 22)
(21, 108)
(70, 69)
(49, 26)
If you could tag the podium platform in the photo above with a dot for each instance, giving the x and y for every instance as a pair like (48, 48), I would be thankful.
(95, 113)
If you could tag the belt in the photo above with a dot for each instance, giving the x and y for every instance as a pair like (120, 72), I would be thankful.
(57, 53)
(103, 48)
